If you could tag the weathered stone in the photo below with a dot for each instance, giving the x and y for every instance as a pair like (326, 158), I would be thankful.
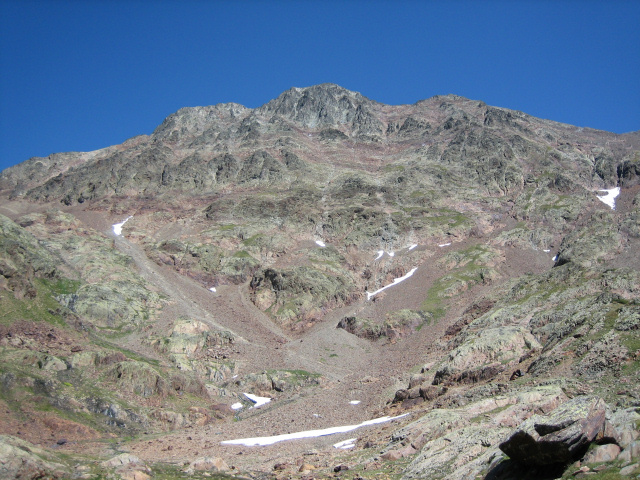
(134, 475)
(630, 452)
(483, 356)
(120, 460)
(23, 461)
(561, 436)
(215, 464)
(602, 453)
(629, 469)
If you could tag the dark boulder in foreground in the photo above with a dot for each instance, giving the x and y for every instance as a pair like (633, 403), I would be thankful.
(562, 436)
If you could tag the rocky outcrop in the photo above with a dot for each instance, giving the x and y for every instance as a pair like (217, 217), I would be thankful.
(299, 293)
(396, 325)
(629, 172)
(562, 436)
(22, 460)
(483, 356)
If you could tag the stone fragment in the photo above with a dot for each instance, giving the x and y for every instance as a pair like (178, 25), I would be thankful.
(134, 475)
(628, 470)
(630, 452)
(603, 453)
(215, 464)
(120, 460)
(306, 468)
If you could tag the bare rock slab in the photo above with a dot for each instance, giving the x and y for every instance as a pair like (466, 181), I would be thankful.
(560, 437)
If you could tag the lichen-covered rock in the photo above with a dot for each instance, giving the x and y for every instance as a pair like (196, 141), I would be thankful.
(208, 464)
(460, 454)
(483, 356)
(120, 460)
(300, 292)
(397, 324)
(139, 378)
(598, 239)
(560, 437)
(21, 460)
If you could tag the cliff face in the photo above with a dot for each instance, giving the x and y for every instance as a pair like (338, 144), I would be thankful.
(462, 250)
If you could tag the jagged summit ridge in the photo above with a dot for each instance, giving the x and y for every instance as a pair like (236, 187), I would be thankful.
(204, 148)
(320, 106)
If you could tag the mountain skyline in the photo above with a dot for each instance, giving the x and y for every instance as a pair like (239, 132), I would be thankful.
(76, 84)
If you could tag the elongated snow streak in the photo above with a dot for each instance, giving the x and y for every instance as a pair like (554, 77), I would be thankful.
(345, 444)
(610, 197)
(259, 401)
(320, 243)
(546, 250)
(395, 282)
(444, 245)
(380, 253)
(117, 228)
(354, 402)
(262, 441)
(412, 247)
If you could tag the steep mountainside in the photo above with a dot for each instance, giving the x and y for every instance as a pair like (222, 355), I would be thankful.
(449, 263)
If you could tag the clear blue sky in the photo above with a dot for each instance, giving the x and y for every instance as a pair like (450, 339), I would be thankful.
(82, 75)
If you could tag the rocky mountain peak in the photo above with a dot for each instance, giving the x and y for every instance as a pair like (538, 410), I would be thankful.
(193, 121)
(320, 106)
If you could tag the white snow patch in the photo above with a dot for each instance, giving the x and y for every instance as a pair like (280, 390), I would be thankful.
(354, 402)
(259, 401)
(444, 245)
(345, 444)
(380, 253)
(395, 282)
(117, 228)
(555, 259)
(546, 251)
(320, 243)
(212, 289)
(261, 441)
(610, 197)
(391, 254)
(412, 247)
(237, 406)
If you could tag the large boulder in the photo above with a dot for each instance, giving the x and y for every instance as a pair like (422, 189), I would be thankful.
(562, 436)
(22, 460)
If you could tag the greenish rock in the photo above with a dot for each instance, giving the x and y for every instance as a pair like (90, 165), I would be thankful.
(23, 460)
(139, 378)
(299, 293)
(501, 345)
(597, 240)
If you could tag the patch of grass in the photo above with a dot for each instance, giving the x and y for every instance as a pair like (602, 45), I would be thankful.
(167, 471)
(43, 307)
(253, 241)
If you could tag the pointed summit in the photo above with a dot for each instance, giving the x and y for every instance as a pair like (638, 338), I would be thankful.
(322, 105)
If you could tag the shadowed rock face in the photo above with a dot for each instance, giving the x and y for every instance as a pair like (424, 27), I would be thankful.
(560, 437)
(252, 233)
